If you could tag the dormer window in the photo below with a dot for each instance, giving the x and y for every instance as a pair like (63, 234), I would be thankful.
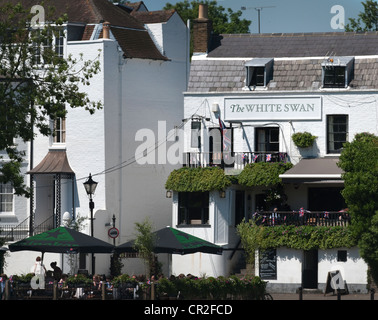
(337, 72)
(259, 72)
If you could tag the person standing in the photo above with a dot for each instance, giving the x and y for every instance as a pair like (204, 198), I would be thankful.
(38, 267)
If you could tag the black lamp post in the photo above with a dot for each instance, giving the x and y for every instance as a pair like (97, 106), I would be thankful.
(90, 187)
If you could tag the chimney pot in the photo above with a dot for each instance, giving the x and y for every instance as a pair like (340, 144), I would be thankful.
(203, 12)
(105, 30)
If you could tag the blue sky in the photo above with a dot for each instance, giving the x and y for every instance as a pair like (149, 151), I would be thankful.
(287, 16)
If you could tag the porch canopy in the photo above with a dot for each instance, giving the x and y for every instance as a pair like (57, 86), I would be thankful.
(55, 162)
(314, 170)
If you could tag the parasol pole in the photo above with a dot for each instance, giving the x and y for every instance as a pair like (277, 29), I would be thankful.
(43, 253)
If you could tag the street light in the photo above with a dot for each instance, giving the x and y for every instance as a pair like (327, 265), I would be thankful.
(90, 187)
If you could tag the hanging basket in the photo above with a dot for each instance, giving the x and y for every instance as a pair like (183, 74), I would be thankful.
(303, 139)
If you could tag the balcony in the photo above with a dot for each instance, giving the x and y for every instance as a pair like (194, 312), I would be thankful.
(231, 160)
(299, 218)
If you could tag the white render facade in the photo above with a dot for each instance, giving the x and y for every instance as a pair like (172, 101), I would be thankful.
(136, 90)
(294, 94)
(361, 108)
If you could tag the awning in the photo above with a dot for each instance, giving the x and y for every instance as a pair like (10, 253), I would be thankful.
(314, 170)
(54, 162)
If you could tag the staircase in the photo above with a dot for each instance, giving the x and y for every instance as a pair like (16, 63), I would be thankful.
(12, 233)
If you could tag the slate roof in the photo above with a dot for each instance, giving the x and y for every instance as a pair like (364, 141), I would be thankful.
(294, 44)
(129, 29)
(153, 16)
(297, 62)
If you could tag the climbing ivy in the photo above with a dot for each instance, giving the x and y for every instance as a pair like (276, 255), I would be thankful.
(255, 236)
(263, 173)
(197, 179)
(203, 179)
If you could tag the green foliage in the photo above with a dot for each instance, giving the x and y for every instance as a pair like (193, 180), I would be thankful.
(123, 279)
(116, 264)
(23, 278)
(368, 245)
(78, 279)
(223, 21)
(263, 174)
(144, 243)
(37, 85)
(197, 179)
(367, 20)
(296, 237)
(359, 160)
(303, 139)
(360, 165)
(219, 288)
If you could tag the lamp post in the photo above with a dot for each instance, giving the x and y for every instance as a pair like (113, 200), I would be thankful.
(90, 187)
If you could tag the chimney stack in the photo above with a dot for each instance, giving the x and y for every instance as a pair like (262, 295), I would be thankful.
(202, 28)
(105, 30)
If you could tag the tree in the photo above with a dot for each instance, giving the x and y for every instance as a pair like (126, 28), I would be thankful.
(367, 20)
(36, 84)
(359, 161)
(144, 244)
(223, 22)
(369, 247)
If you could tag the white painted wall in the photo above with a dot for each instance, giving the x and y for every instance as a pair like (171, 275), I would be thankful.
(353, 271)
(362, 108)
(290, 266)
(136, 94)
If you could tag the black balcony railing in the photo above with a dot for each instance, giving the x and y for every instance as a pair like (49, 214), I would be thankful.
(236, 160)
(22, 230)
(302, 217)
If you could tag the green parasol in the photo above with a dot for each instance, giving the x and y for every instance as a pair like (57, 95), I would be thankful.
(170, 240)
(62, 240)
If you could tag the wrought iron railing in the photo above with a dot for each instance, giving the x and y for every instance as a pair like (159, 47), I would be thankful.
(302, 217)
(236, 160)
(23, 230)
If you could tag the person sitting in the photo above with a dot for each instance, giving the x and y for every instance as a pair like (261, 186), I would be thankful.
(57, 272)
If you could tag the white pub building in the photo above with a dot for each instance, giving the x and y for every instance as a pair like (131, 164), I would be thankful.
(144, 61)
(264, 88)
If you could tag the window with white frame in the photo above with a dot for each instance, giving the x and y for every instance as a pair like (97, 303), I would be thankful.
(59, 43)
(337, 132)
(337, 72)
(6, 197)
(259, 71)
(59, 133)
(267, 139)
(42, 50)
(193, 208)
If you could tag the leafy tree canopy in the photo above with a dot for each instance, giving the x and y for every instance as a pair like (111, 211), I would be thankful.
(224, 21)
(36, 85)
(367, 20)
(359, 160)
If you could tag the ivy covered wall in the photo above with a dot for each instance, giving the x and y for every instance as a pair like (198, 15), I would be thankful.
(255, 237)
(213, 178)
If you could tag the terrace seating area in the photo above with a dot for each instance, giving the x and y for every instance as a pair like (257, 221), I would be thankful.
(302, 217)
